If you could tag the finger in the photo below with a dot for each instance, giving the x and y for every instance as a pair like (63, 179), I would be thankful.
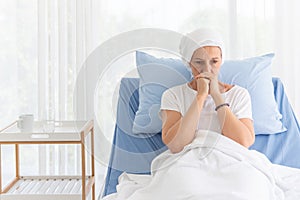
(205, 74)
(203, 80)
(208, 74)
(202, 76)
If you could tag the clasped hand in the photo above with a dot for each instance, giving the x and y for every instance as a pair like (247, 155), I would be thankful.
(207, 83)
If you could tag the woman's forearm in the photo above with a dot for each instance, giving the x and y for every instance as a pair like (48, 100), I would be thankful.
(183, 131)
(231, 126)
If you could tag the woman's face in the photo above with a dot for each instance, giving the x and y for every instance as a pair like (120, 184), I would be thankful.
(206, 59)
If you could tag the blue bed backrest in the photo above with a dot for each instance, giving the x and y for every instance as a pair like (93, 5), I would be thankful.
(131, 153)
(134, 153)
(282, 148)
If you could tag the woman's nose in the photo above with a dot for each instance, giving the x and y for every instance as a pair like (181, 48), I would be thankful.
(206, 68)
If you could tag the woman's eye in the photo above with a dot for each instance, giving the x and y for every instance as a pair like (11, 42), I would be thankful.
(199, 62)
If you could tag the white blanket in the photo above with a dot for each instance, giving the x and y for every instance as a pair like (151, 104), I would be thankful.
(211, 167)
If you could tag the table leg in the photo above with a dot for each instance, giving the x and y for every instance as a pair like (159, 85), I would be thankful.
(0, 170)
(17, 161)
(83, 172)
(93, 162)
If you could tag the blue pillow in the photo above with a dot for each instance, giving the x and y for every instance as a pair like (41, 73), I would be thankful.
(159, 74)
(156, 75)
(255, 75)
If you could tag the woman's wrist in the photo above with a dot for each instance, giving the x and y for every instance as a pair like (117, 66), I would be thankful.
(201, 97)
(221, 105)
(218, 99)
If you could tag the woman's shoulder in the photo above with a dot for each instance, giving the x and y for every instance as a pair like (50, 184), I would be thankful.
(237, 90)
(178, 88)
(179, 91)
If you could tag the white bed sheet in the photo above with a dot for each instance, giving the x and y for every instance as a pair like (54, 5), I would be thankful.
(211, 167)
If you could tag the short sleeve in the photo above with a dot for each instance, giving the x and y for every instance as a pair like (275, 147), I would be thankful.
(242, 105)
(169, 101)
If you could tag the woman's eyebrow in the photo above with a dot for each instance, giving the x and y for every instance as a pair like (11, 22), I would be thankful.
(205, 59)
(199, 59)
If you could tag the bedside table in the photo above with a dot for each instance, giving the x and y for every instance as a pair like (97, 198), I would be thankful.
(50, 187)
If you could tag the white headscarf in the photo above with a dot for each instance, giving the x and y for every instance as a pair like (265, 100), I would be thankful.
(200, 38)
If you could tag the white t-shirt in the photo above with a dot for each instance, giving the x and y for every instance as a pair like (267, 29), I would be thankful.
(179, 98)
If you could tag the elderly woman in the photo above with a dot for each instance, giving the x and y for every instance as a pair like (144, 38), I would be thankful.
(196, 113)
(205, 103)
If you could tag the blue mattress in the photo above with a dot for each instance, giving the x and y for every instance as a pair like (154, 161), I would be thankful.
(134, 153)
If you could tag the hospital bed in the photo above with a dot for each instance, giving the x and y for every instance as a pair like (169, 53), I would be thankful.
(133, 153)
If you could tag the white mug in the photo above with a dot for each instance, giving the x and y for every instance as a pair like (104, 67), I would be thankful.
(25, 123)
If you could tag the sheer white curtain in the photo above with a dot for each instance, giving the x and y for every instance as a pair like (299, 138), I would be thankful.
(18, 74)
(43, 45)
(250, 28)
(286, 31)
(65, 38)
(45, 42)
